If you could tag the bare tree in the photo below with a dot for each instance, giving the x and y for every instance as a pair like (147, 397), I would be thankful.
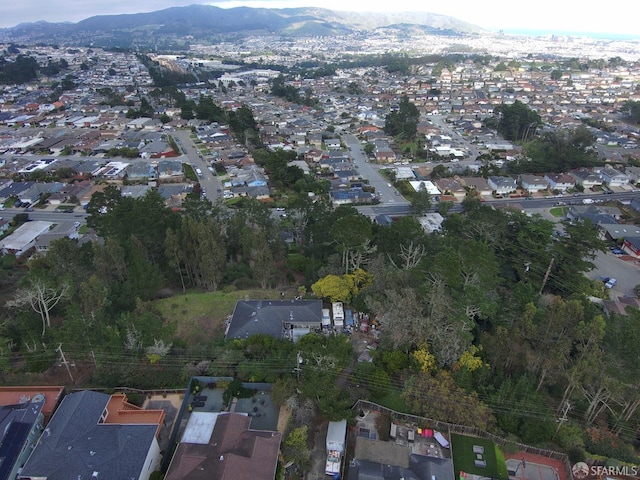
(411, 256)
(41, 298)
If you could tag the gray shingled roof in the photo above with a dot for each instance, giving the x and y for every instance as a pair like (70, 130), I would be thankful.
(75, 446)
(267, 317)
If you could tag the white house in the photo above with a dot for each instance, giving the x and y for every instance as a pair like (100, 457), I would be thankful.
(560, 181)
(502, 185)
(613, 178)
(533, 183)
(24, 238)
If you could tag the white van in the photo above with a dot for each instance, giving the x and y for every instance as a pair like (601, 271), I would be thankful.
(326, 318)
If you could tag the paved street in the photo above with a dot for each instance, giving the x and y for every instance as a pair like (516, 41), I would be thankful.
(208, 181)
(388, 195)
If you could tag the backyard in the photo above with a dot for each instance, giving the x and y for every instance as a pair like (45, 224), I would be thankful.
(203, 315)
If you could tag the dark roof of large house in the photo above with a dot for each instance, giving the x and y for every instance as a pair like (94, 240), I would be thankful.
(267, 317)
(420, 468)
(232, 453)
(15, 189)
(16, 422)
(378, 460)
(75, 445)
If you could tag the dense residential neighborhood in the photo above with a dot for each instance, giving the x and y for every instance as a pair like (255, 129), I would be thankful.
(222, 261)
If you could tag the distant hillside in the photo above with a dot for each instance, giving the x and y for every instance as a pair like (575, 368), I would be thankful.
(203, 22)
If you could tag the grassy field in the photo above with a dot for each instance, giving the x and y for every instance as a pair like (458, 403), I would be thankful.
(559, 212)
(393, 401)
(203, 315)
(464, 458)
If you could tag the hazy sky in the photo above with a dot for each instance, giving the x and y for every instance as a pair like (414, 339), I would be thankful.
(620, 17)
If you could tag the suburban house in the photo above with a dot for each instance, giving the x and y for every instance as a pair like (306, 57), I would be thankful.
(59, 231)
(23, 412)
(352, 196)
(174, 194)
(597, 214)
(408, 454)
(250, 177)
(478, 184)
(633, 173)
(33, 194)
(221, 446)
(134, 191)
(586, 178)
(314, 155)
(22, 394)
(113, 170)
(20, 427)
(431, 222)
(332, 143)
(613, 178)
(631, 245)
(65, 194)
(533, 183)
(404, 173)
(14, 189)
(141, 171)
(617, 231)
(24, 238)
(93, 435)
(301, 164)
(157, 149)
(261, 193)
(451, 186)
(560, 181)
(139, 123)
(427, 185)
(277, 318)
(502, 185)
(170, 170)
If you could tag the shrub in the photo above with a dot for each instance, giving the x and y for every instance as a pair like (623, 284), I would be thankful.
(576, 454)
(383, 426)
(601, 441)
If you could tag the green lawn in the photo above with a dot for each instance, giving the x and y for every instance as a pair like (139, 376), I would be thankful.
(393, 401)
(464, 458)
(559, 212)
(203, 315)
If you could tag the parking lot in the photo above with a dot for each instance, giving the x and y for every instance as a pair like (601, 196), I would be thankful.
(626, 272)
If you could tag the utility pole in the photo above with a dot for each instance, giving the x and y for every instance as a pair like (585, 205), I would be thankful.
(298, 368)
(63, 360)
(546, 275)
(563, 418)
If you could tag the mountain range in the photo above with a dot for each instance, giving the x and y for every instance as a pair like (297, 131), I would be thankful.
(202, 22)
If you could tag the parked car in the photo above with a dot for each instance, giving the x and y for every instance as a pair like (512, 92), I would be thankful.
(611, 283)
(617, 251)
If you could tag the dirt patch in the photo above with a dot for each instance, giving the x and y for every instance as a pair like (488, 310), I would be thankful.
(283, 419)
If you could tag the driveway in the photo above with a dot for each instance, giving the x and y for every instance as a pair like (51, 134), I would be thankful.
(626, 272)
